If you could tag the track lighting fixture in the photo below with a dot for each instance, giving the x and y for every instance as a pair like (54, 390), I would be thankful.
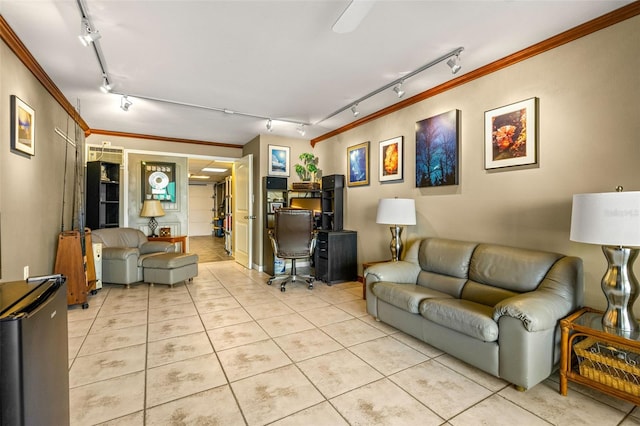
(269, 125)
(398, 90)
(301, 129)
(125, 103)
(397, 84)
(87, 34)
(106, 86)
(454, 64)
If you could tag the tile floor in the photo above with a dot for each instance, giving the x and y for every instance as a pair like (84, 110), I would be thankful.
(227, 349)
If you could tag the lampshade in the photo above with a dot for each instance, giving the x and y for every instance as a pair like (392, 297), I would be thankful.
(152, 208)
(608, 218)
(396, 211)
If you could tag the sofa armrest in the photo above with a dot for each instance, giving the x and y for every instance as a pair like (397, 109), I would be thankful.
(401, 272)
(119, 253)
(156, 246)
(538, 310)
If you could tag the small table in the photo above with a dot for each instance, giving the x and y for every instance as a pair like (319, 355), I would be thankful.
(607, 351)
(182, 239)
(365, 265)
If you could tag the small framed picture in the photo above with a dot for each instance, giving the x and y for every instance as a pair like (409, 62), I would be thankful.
(278, 160)
(358, 162)
(275, 206)
(390, 161)
(23, 127)
(510, 135)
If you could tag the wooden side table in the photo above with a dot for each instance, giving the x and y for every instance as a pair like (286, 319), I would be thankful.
(365, 265)
(182, 239)
(610, 361)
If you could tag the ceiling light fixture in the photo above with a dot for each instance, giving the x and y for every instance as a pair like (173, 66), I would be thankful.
(398, 90)
(354, 110)
(454, 64)
(125, 103)
(455, 52)
(301, 129)
(214, 169)
(87, 34)
(269, 125)
(106, 86)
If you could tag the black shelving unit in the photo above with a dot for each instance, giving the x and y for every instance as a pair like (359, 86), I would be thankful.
(102, 195)
(336, 256)
(332, 202)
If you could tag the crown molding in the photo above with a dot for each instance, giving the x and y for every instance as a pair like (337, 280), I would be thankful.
(597, 24)
(159, 138)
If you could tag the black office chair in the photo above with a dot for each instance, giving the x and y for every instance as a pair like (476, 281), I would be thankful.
(293, 238)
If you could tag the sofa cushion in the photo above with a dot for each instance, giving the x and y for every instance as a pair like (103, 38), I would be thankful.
(485, 294)
(118, 237)
(404, 296)
(510, 268)
(444, 283)
(446, 257)
(470, 318)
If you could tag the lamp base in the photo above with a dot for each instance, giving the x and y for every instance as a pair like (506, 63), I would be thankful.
(396, 245)
(153, 224)
(620, 286)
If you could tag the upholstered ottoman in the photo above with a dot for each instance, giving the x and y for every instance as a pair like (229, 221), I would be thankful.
(170, 268)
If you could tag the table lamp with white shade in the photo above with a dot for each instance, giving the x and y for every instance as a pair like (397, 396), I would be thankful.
(396, 212)
(152, 209)
(612, 220)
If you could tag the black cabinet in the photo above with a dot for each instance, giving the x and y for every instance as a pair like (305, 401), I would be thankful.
(336, 256)
(275, 196)
(332, 202)
(103, 195)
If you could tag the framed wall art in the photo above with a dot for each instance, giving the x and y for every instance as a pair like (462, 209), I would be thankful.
(23, 127)
(358, 164)
(391, 166)
(510, 135)
(278, 160)
(437, 146)
(159, 181)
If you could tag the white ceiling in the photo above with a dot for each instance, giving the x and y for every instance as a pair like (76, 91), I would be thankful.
(277, 59)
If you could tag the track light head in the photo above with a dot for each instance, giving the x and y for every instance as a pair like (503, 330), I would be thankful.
(354, 110)
(398, 90)
(106, 86)
(454, 64)
(301, 129)
(269, 125)
(125, 103)
(87, 34)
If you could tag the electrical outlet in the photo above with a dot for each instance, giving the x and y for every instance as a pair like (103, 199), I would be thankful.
(26, 272)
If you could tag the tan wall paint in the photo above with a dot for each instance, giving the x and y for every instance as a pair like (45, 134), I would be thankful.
(588, 94)
(31, 188)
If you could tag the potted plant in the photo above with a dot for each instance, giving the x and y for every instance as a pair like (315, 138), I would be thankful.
(307, 171)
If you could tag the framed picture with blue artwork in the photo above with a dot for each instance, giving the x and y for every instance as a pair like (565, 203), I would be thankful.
(278, 160)
(358, 164)
(437, 146)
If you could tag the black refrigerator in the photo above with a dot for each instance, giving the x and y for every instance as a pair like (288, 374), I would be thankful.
(34, 361)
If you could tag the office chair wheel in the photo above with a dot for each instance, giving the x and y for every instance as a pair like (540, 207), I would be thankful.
(270, 281)
(85, 306)
(310, 286)
(282, 289)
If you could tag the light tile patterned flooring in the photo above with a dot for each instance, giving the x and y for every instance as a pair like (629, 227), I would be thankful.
(228, 350)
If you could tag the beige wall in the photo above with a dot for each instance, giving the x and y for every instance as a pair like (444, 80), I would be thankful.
(589, 130)
(31, 188)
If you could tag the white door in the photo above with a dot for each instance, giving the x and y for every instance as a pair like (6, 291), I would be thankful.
(243, 210)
